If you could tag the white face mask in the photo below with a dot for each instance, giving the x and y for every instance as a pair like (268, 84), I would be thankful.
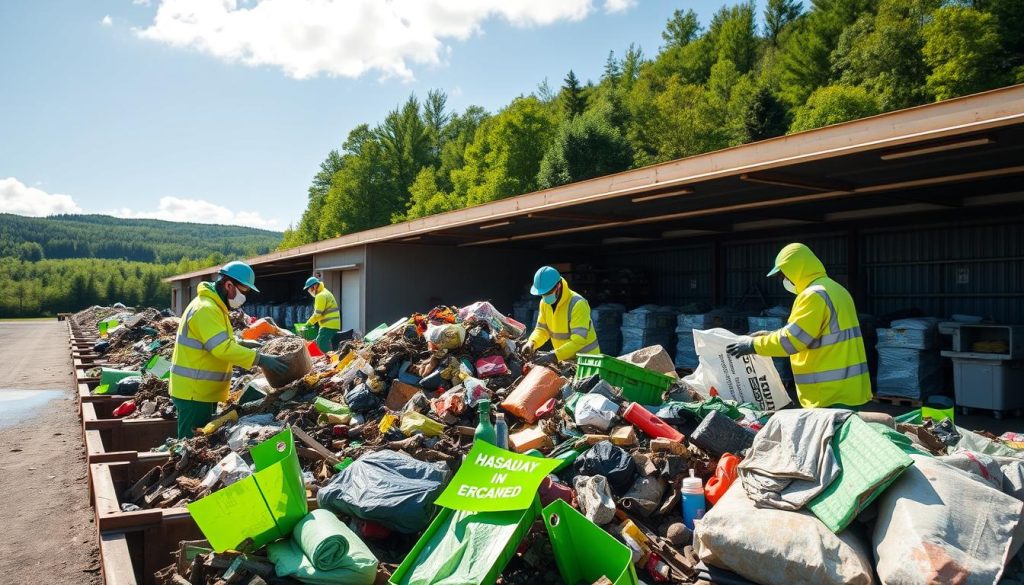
(788, 285)
(238, 301)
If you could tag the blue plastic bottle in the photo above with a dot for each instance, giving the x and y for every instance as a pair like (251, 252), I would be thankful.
(693, 500)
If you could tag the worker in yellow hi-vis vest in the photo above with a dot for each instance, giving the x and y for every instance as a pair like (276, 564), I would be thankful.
(564, 319)
(326, 313)
(822, 339)
(205, 349)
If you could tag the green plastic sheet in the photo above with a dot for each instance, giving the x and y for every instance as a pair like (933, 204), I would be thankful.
(464, 549)
(263, 507)
(323, 550)
(159, 367)
(869, 463)
(109, 377)
(329, 407)
(700, 410)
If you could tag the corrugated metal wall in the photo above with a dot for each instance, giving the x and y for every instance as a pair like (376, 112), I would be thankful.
(678, 276)
(745, 264)
(973, 269)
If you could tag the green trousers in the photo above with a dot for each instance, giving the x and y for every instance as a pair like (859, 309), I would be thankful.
(325, 339)
(192, 415)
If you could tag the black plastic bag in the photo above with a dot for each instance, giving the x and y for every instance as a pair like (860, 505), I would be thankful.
(361, 399)
(946, 432)
(127, 386)
(433, 381)
(101, 346)
(610, 461)
(388, 487)
(479, 340)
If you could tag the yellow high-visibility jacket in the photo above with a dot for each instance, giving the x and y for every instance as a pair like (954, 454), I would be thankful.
(822, 339)
(206, 350)
(325, 309)
(567, 324)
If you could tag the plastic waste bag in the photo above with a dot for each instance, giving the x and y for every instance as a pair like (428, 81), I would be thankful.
(247, 427)
(447, 336)
(485, 311)
(361, 399)
(597, 411)
(938, 524)
(751, 378)
(610, 461)
(127, 386)
(595, 498)
(228, 470)
(387, 487)
(322, 549)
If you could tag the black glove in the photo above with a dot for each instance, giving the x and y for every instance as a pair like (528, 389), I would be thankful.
(272, 364)
(740, 349)
(249, 343)
(545, 358)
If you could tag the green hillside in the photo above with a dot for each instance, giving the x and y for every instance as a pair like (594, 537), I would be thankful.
(142, 240)
(69, 262)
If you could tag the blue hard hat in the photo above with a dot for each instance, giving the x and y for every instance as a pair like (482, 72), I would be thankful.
(310, 282)
(545, 280)
(240, 272)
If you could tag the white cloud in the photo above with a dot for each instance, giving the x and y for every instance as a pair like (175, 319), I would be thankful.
(140, 2)
(613, 6)
(345, 38)
(107, 21)
(17, 197)
(199, 211)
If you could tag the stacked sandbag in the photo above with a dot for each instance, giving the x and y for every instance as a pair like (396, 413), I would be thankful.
(686, 322)
(646, 326)
(607, 319)
(909, 364)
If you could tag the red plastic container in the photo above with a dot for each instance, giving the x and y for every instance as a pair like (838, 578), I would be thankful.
(314, 351)
(725, 474)
(127, 407)
(650, 424)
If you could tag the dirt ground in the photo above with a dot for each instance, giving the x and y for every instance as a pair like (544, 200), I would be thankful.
(47, 522)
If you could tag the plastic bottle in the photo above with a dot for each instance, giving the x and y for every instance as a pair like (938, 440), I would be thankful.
(693, 500)
(650, 424)
(485, 430)
(501, 431)
(725, 474)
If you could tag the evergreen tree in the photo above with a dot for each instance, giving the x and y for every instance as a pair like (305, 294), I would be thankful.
(573, 102)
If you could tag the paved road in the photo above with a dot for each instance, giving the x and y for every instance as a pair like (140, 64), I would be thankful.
(48, 532)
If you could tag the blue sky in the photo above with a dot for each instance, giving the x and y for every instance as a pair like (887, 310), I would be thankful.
(182, 109)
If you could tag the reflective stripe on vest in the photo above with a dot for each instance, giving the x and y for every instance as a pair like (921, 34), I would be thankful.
(184, 338)
(581, 331)
(831, 375)
(588, 348)
(833, 322)
(196, 374)
(798, 332)
(834, 338)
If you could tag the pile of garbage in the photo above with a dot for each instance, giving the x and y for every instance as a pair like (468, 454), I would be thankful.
(651, 477)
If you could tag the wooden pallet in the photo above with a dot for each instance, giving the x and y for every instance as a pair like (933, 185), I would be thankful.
(897, 401)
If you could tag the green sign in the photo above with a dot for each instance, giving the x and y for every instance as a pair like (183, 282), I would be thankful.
(495, 480)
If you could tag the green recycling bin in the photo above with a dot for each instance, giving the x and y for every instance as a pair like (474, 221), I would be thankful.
(583, 550)
(263, 507)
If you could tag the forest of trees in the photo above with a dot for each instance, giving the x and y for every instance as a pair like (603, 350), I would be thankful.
(746, 76)
(141, 240)
(69, 262)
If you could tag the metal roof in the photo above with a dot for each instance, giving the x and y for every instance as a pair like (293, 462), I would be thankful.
(901, 161)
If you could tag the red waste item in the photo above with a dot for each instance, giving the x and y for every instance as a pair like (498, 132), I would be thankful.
(490, 367)
(259, 329)
(340, 430)
(127, 407)
(546, 408)
(550, 491)
(314, 351)
(539, 386)
(725, 474)
(650, 424)
(373, 530)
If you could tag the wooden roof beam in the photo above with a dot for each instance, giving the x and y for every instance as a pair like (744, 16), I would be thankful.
(798, 181)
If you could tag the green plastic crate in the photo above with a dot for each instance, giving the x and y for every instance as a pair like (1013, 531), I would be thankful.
(638, 384)
(305, 331)
(522, 528)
